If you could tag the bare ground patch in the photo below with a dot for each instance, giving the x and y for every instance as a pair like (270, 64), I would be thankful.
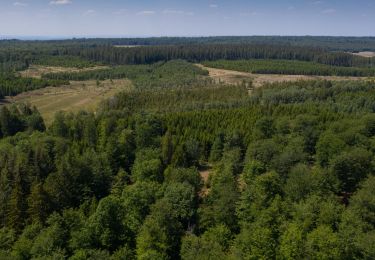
(366, 54)
(205, 173)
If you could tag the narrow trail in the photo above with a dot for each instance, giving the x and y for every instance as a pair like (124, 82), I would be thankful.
(205, 175)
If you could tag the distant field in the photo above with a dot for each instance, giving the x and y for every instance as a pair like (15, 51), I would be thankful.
(36, 71)
(236, 77)
(289, 67)
(127, 46)
(77, 96)
(367, 54)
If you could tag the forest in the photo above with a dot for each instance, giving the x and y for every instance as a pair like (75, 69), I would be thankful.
(210, 52)
(18, 55)
(181, 166)
(11, 85)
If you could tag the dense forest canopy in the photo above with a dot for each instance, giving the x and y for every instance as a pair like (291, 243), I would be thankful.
(11, 85)
(210, 52)
(180, 166)
(124, 184)
(17, 55)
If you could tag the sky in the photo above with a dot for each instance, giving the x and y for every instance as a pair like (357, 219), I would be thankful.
(142, 18)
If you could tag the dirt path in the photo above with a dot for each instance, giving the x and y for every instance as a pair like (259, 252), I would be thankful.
(205, 173)
(235, 77)
(366, 54)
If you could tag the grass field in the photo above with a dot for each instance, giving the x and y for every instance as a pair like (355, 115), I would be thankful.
(36, 71)
(77, 96)
(366, 54)
(236, 77)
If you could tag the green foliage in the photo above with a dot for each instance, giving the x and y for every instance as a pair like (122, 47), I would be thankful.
(323, 243)
(52, 241)
(64, 61)
(190, 176)
(7, 239)
(290, 172)
(214, 243)
(328, 146)
(106, 228)
(18, 118)
(300, 183)
(213, 52)
(218, 208)
(160, 233)
(137, 200)
(170, 74)
(147, 166)
(11, 85)
(358, 223)
(182, 198)
(292, 242)
(352, 167)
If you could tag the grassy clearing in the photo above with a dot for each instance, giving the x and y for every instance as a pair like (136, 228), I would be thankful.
(36, 71)
(366, 54)
(289, 67)
(259, 80)
(77, 96)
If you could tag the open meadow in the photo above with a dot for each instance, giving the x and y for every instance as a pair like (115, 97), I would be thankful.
(79, 95)
(259, 80)
(36, 71)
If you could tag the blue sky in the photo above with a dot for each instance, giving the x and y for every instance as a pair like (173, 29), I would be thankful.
(124, 18)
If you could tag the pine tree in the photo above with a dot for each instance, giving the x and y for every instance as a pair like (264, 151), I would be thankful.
(59, 127)
(38, 203)
(17, 203)
(167, 148)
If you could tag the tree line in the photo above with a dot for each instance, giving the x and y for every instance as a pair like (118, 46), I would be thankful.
(11, 85)
(17, 55)
(211, 52)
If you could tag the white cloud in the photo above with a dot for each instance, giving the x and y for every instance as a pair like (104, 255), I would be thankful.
(60, 2)
(249, 14)
(147, 12)
(213, 6)
(20, 4)
(171, 11)
(121, 12)
(180, 12)
(329, 11)
(89, 12)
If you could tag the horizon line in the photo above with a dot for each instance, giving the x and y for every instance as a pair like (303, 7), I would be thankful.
(71, 37)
